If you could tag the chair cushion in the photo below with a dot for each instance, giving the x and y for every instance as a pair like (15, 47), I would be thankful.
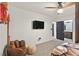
(22, 43)
(15, 52)
(12, 44)
(17, 43)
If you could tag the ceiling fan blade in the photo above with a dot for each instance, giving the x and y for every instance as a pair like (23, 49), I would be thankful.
(51, 7)
(69, 4)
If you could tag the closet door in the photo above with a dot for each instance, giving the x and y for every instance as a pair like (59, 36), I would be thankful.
(60, 30)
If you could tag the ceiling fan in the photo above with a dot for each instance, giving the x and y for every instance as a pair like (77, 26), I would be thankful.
(61, 6)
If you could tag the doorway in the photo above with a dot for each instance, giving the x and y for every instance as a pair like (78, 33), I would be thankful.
(60, 30)
(63, 30)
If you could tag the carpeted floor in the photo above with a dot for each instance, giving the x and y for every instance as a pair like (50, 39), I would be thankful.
(45, 49)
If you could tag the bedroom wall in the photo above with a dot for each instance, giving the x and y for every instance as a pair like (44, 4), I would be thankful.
(21, 26)
(3, 37)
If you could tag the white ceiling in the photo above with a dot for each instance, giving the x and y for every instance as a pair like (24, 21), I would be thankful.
(40, 7)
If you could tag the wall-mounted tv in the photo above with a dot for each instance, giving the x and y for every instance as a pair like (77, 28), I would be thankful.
(38, 25)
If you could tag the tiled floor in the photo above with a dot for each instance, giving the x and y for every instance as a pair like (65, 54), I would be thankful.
(45, 49)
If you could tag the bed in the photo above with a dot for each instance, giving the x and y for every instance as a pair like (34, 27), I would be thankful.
(66, 49)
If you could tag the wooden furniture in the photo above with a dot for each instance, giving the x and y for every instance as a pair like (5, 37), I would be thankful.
(19, 48)
(16, 48)
(68, 35)
(77, 22)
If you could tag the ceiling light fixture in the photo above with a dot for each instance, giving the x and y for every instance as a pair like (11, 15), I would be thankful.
(60, 6)
(60, 10)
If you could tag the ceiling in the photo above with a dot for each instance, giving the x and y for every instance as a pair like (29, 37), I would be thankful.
(39, 7)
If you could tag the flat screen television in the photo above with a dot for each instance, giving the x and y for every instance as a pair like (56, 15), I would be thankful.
(38, 25)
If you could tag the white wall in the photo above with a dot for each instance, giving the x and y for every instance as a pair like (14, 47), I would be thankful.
(3, 37)
(21, 26)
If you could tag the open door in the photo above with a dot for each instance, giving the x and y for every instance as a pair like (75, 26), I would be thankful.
(60, 30)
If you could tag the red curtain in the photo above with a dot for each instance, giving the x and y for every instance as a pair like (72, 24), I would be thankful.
(4, 16)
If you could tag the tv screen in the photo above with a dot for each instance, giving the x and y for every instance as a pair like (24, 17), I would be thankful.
(38, 25)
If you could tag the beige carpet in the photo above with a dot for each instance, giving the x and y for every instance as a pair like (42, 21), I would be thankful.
(45, 49)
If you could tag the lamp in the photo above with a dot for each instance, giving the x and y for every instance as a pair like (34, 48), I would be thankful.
(60, 10)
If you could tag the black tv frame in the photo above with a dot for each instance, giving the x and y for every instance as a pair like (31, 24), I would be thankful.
(38, 24)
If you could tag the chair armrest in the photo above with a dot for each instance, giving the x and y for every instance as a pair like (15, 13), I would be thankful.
(15, 52)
